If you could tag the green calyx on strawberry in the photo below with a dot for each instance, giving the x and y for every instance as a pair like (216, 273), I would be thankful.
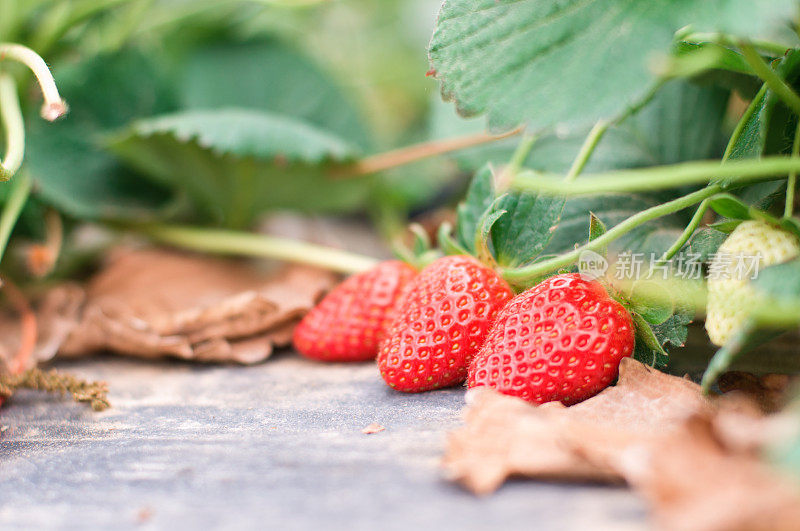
(349, 322)
(440, 323)
(561, 340)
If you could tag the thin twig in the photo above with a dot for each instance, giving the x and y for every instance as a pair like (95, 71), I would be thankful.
(407, 155)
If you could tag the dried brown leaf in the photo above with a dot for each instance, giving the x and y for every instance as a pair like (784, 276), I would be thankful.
(153, 303)
(57, 313)
(694, 482)
(768, 391)
(505, 436)
(694, 460)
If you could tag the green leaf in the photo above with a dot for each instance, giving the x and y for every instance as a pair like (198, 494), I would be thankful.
(730, 206)
(742, 341)
(483, 241)
(70, 167)
(648, 348)
(654, 333)
(769, 130)
(683, 122)
(726, 226)
(522, 234)
(781, 281)
(704, 243)
(539, 61)
(720, 57)
(652, 309)
(516, 236)
(480, 196)
(791, 225)
(236, 163)
(596, 229)
(444, 237)
(273, 77)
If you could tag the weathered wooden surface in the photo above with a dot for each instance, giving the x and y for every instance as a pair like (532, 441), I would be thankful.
(276, 446)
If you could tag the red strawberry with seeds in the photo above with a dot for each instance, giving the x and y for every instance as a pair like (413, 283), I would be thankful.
(441, 322)
(347, 325)
(561, 340)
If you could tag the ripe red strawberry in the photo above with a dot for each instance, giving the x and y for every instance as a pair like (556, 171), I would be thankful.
(348, 323)
(561, 340)
(442, 320)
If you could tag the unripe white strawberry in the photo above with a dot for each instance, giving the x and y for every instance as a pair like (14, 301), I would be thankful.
(729, 290)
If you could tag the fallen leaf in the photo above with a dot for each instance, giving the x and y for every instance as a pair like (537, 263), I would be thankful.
(768, 391)
(696, 461)
(153, 303)
(57, 313)
(505, 436)
(373, 428)
(693, 482)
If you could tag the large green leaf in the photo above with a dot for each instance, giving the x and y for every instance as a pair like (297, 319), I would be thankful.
(269, 76)
(569, 62)
(71, 169)
(235, 163)
(683, 122)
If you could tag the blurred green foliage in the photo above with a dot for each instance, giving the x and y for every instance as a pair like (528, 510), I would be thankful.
(217, 111)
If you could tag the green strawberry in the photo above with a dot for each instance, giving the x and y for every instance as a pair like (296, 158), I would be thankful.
(729, 292)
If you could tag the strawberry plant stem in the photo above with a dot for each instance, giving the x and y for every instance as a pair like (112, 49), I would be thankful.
(791, 183)
(409, 154)
(521, 154)
(755, 104)
(53, 106)
(773, 48)
(770, 77)
(539, 269)
(588, 147)
(20, 191)
(697, 218)
(13, 128)
(661, 177)
(228, 242)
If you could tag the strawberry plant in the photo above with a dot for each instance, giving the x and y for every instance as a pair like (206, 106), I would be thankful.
(641, 155)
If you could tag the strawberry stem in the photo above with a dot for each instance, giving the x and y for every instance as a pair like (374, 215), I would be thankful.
(791, 183)
(770, 77)
(227, 242)
(20, 191)
(13, 127)
(53, 106)
(697, 218)
(588, 147)
(661, 177)
(539, 269)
